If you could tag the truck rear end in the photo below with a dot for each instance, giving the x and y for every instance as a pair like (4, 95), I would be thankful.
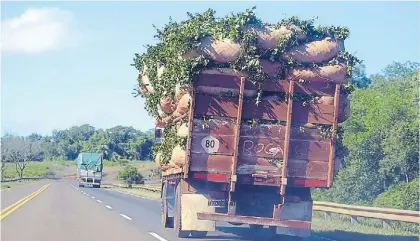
(89, 169)
(249, 163)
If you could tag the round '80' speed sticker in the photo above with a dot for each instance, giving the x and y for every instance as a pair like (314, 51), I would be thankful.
(210, 144)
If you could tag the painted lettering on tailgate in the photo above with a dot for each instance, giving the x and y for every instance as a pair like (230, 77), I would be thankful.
(210, 144)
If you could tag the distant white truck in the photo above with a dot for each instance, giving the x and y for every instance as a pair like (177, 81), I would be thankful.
(89, 169)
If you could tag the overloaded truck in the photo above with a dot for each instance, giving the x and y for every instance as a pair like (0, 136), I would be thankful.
(253, 128)
(89, 169)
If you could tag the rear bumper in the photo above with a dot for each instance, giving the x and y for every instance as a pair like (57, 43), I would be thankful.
(89, 181)
(298, 224)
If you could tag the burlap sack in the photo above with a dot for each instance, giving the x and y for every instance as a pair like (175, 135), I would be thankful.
(336, 73)
(181, 90)
(269, 36)
(183, 104)
(183, 130)
(222, 51)
(167, 105)
(158, 159)
(178, 156)
(315, 52)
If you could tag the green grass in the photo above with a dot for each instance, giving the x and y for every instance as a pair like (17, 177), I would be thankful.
(110, 163)
(35, 169)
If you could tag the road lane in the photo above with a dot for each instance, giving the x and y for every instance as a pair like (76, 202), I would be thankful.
(145, 214)
(12, 195)
(63, 213)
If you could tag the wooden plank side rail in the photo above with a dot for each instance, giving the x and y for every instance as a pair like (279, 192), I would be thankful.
(368, 212)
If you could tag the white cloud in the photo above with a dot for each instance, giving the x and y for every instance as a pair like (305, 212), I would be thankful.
(37, 30)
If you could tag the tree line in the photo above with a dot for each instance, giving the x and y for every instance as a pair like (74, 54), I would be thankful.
(379, 143)
(119, 142)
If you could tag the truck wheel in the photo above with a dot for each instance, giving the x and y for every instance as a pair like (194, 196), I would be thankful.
(177, 219)
(198, 234)
(167, 222)
(80, 185)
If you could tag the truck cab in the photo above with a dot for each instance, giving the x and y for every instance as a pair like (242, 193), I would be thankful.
(89, 169)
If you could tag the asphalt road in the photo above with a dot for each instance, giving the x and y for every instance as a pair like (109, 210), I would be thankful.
(65, 212)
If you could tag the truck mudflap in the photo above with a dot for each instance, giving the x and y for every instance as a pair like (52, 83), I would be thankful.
(297, 224)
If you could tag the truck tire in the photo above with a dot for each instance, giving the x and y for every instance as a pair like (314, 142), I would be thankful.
(80, 185)
(177, 219)
(167, 222)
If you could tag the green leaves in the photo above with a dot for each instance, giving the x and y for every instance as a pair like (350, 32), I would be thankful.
(177, 39)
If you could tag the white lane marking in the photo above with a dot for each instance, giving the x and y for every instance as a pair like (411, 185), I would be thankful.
(316, 236)
(125, 216)
(109, 207)
(87, 194)
(157, 236)
(99, 201)
(93, 197)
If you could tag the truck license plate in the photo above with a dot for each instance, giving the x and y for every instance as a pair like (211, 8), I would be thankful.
(217, 203)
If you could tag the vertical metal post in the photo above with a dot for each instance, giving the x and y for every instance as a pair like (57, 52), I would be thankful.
(233, 177)
(287, 140)
(190, 127)
(331, 157)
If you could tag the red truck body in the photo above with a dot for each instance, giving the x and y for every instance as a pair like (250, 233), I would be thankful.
(256, 174)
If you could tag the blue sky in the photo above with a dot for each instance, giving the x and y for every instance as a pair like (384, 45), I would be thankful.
(70, 65)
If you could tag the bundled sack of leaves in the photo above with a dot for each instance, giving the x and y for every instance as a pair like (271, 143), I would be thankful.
(239, 44)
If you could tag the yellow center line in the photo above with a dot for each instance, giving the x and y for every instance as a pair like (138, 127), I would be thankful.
(10, 209)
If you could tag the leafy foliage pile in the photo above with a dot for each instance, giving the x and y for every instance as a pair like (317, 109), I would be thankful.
(167, 68)
(114, 143)
(177, 39)
(380, 141)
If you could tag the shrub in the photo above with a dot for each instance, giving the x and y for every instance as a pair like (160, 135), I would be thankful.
(403, 195)
(131, 176)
